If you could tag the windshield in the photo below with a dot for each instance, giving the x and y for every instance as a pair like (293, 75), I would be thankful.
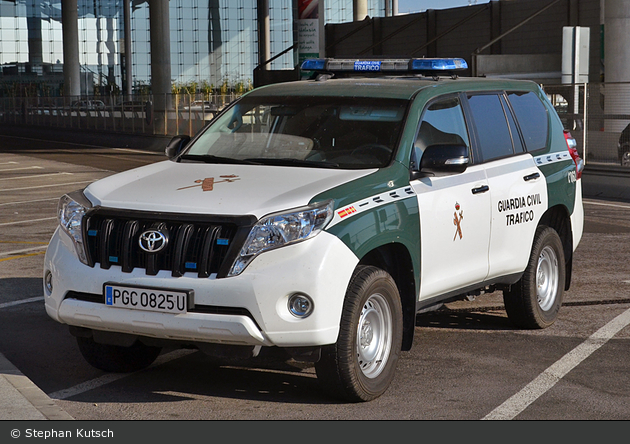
(323, 132)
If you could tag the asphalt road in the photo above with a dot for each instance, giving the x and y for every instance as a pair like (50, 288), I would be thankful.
(467, 362)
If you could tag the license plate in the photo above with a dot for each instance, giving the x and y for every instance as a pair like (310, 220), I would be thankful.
(146, 298)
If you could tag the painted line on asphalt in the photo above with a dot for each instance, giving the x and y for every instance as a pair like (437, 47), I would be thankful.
(21, 256)
(130, 150)
(20, 302)
(4, 224)
(590, 202)
(515, 405)
(23, 242)
(28, 201)
(111, 377)
(24, 250)
(38, 176)
(48, 186)
(35, 167)
(71, 143)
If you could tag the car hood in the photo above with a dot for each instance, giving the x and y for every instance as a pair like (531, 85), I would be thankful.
(221, 189)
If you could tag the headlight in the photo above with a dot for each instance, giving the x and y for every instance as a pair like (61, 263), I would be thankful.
(70, 213)
(278, 230)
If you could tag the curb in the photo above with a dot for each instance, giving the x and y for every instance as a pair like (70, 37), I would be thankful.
(21, 399)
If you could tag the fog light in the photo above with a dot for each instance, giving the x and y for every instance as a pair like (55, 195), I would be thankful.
(48, 282)
(300, 305)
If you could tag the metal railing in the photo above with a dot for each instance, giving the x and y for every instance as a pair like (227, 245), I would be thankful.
(169, 114)
(595, 113)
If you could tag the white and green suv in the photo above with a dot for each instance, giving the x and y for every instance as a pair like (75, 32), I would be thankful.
(319, 217)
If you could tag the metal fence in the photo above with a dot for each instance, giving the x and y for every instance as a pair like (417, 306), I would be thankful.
(596, 114)
(169, 114)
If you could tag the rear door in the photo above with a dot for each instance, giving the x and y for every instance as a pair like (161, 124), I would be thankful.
(518, 189)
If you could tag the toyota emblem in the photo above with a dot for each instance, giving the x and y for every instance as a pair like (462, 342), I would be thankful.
(152, 241)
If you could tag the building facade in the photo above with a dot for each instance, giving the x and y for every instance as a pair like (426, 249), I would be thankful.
(214, 43)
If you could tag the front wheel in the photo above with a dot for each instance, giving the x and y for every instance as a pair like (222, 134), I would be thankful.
(535, 300)
(624, 155)
(361, 365)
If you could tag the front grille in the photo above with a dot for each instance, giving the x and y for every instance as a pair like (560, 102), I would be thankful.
(195, 243)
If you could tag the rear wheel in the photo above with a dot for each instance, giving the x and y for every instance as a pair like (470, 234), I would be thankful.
(117, 359)
(624, 155)
(535, 300)
(361, 365)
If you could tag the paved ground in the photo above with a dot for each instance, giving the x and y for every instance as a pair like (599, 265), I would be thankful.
(24, 400)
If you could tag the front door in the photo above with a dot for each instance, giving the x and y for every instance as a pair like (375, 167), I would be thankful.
(455, 216)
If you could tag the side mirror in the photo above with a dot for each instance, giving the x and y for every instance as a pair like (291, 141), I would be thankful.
(176, 145)
(442, 160)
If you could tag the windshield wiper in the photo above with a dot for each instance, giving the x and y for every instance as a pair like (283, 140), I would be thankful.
(210, 158)
(287, 161)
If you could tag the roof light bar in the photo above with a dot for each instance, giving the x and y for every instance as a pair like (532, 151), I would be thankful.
(432, 66)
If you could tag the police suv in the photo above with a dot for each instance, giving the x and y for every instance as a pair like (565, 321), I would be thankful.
(318, 217)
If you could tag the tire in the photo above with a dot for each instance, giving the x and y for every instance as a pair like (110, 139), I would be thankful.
(535, 300)
(362, 364)
(624, 155)
(117, 359)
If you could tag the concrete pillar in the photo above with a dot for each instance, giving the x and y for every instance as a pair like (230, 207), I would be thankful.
(617, 40)
(128, 55)
(35, 53)
(160, 54)
(264, 39)
(617, 54)
(360, 10)
(70, 31)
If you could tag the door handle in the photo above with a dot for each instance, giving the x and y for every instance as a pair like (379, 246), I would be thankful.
(531, 177)
(481, 189)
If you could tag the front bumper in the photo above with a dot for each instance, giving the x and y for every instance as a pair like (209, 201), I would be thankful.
(320, 268)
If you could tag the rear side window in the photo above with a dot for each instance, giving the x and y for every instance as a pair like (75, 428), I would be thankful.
(532, 118)
(489, 116)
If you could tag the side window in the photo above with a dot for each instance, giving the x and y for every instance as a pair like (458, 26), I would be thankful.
(442, 124)
(516, 137)
(532, 118)
(491, 125)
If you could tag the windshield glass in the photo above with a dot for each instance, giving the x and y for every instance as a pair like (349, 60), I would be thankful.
(324, 132)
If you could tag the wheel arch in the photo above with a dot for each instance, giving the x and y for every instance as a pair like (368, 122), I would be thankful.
(558, 218)
(395, 259)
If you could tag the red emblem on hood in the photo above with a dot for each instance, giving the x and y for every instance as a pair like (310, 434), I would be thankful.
(207, 184)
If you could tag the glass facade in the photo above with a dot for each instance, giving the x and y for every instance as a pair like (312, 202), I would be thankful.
(213, 43)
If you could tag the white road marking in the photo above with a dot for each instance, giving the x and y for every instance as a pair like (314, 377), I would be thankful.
(601, 204)
(4, 224)
(22, 168)
(28, 201)
(74, 143)
(48, 186)
(515, 405)
(38, 176)
(111, 377)
(140, 151)
(20, 302)
(25, 250)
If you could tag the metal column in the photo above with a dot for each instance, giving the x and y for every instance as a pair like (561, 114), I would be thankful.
(70, 29)
(160, 54)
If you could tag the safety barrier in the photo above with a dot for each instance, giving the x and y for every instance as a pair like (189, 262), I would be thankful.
(596, 114)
